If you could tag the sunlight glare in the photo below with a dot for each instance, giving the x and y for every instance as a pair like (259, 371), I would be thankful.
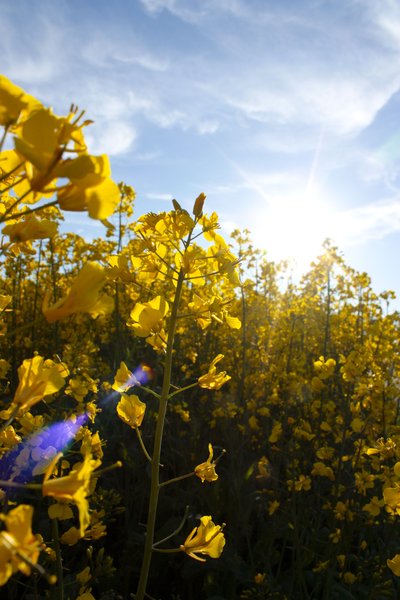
(293, 228)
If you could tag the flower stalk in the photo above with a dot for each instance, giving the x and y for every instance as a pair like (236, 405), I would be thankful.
(155, 465)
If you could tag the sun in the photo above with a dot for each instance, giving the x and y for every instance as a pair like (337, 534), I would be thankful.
(294, 227)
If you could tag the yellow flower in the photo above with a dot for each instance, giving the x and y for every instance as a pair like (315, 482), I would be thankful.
(357, 424)
(325, 369)
(4, 302)
(392, 499)
(71, 536)
(273, 507)
(213, 380)
(99, 200)
(384, 447)
(86, 596)
(85, 170)
(83, 296)
(276, 433)
(207, 539)
(147, 318)
(19, 547)
(60, 511)
(30, 229)
(374, 507)
(13, 101)
(206, 470)
(124, 379)
(349, 577)
(131, 410)
(147, 321)
(322, 470)
(120, 267)
(37, 378)
(335, 536)
(84, 576)
(41, 140)
(303, 483)
(74, 487)
(394, 564)
(11, 169)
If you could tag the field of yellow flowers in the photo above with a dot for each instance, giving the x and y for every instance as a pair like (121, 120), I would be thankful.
(175, 423)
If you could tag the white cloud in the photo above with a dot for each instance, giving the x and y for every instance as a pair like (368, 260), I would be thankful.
(111, 52)
(207, 126)
(110, 137)
(159, 196)
(372, 221)
(147, 156)
(178, 9)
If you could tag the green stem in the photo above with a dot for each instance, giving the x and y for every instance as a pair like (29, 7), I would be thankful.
(175, 479)
(155, 466)
(3, 137)
(29, 211)
(143, 447)
(11, 208)
(14, 183)
(117, 465)
(59, 590)
(22, 486)
(179, 390)
(175, 532)
(150, 391)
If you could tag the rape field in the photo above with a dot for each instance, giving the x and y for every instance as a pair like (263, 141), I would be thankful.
(176, 424)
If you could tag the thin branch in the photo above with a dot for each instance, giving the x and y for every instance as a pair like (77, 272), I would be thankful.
(176, 531)
(139, 435)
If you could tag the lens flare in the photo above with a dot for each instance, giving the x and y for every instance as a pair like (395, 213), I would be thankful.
(31, 456)
(143, 374)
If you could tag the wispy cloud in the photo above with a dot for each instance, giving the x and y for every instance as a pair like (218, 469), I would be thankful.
(159, 196)
(341, 77)
(372, 221)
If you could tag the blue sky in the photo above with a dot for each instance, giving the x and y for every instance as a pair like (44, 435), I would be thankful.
(285, 113)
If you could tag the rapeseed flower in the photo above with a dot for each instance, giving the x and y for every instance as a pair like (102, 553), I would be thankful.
(394, 564)
(13, 102)
(206, 539)
(30, 228)
(213, 380)
(37, 378)
(124, 379)
(147, 321)
(83, 296)
(392, 499)
(206, 470)
(74, 487)
(99, 200)
(131, 410)
(19, 547)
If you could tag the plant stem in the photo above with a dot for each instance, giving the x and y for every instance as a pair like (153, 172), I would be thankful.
(175, 479)
(175, 532)
(180, 390)
(29, 211)
(143, 447)
(20, 486)
(3, 137)
(59, 590)
(155, 467)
